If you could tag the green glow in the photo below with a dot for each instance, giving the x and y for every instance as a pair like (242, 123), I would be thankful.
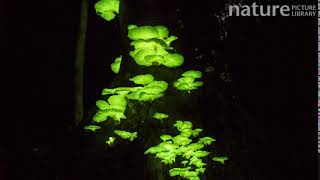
(115, 66)
(201, 170)
(196, 132)
(183, 125)
(200, 154)
(220, 159)
(117, 102)
(167, 157)
(119, 90)
(184, 173)
(206, 140)
(92, 128)
(191, 153)
(193, 74)
(102, 116)
(173, 60)
(147, 32)
(114, 108)
(165, 137)
(178, 171)
(107, 9)
(151, 45)
(187, 82)
(110, 141)
(184, 163)
(155, 150)
(102, 105)
(181, 140)
(150, 92)
(170, 39)
(142, 79)
(160, 116)
(184, 84)
(195, 146)
(126, 135)
(197, 162)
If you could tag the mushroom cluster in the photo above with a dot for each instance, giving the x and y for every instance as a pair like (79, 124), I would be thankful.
(107, 9)
(152, 46)
(187, 82)
(151, 90)
(116, 105)
(182, 145)
(114, 108)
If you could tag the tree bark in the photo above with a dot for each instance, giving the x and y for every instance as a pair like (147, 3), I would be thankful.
(79, 63)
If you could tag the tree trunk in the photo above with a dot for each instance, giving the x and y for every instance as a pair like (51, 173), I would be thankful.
(79, 63)
(125, 159)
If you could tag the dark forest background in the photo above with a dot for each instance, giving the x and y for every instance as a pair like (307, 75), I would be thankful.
(271, 61)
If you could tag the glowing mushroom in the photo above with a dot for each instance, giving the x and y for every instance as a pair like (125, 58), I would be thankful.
(126, 135)
(107, 9)
(115, 66)
(92, 128)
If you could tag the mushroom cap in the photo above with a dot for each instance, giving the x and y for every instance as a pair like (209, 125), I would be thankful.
(142, 79)
(115, 66)
(192, 73)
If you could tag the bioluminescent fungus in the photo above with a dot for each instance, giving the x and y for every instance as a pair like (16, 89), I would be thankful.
(115, 66)
(220, 159)
(187, 82)
(181, 140)
(201, 170)
(103, 115)
(206, 140)
(114, 108)
(151, 46)
(195, 146)
(143, 79)
(173, 60)
(184, 173)
(192, 73)
(126, 135)
(147, 32)
(119, 90)
(102, 105)
(107, 9)
(201, 154)
(117, 102)
(178, 171)
(197, 162)
(110, 141)
(196, 132)
(184, 163)
(183, 125)
(160, 116)
(92, 128)
(150, 92)
(182, 148)
(165, 137)
(155, 150)
(166, 157)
